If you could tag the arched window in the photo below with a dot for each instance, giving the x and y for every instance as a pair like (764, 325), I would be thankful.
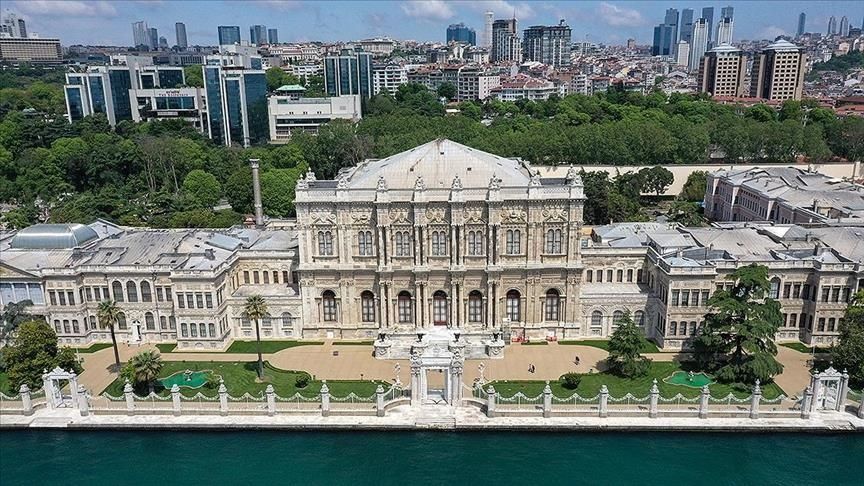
(57, 326)
(439, 243)
(117, 290)
(553, 241)
(553, 304)
(328, 305)
(617, 317)
(367, 306)
(77, 329)
(131, 291)
(184, 330)
(404, 307)
(212, 328)
(402, 240)
(475, 306)
(475, 243)
(619, 274)
(146, 295)
(325, 243)
(163, 323)
(439, 308)
(514, 305)
(589, 276)
(193, 330)
(514, 242)
(775, 288)
(673, 328)
(596, 319)
(364, 243)
(149, 321)
(202, 329)
(121, 321)
(639, 318)
(172, 323)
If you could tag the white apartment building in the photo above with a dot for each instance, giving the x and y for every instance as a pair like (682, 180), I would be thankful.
(288, 112)
(170, 103)
(386, 78)
(525, 87)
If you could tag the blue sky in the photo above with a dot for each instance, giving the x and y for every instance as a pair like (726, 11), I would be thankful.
(109, 22)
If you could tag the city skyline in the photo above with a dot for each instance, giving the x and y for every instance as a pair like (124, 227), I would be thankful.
(107, 23)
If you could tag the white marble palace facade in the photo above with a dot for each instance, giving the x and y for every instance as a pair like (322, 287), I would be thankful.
(439, 240)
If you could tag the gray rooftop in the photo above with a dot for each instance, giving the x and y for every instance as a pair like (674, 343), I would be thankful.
(53, 236)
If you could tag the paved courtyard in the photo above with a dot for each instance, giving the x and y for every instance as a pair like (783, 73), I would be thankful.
(332, 361)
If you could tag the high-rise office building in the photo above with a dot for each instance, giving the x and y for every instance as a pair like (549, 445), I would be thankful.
(844, 26)
(671, 20)
(13, 26)
(686, 27)
(722, 72)
(724, 31)
(140, 34)
(708, 15)
(699, 43)
(487, 29)
(180, 33)
(461, 33)
(229, 35)
(154, 38)
(666, 35)
(258, 35)
(802, 23)
(506, 43)
(349, 73)
(682, 54)
(163, 42)
(272, 36)
(727, 12)
(30, 50)
(236, 99)
(547, 44)
(778, 72)
(832, 25)
(22, 28)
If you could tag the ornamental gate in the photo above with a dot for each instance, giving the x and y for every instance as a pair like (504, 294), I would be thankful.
(437, 354)
(830, 388)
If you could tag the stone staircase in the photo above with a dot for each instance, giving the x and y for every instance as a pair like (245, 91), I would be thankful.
(435, 417)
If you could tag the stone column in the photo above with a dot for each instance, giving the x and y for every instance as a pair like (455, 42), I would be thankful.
(703, 402)
(655, 396)
(175, 399)
(26, 401)
(83, 402)
(271, 400)
(754, 401)
(325, 399)
(547, 401)
(416, 400)
(223, 398)
(130, 399)
(490, 402)
(379, 401)
(50, 395)
(842, 392)
(73, 388)
(807, 402)
(604, 401)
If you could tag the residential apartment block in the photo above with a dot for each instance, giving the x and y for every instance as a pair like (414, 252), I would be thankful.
(778, 72)
(723, 72)
(289, 112)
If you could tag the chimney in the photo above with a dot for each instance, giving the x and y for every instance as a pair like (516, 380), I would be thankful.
(256, 192)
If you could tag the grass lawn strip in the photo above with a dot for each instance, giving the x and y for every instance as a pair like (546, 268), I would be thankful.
(240, 378)
(248, 347)
(639, 387)
(166, 347)
(4, 385)
(92, 348)
(604, 345)
(803, 348)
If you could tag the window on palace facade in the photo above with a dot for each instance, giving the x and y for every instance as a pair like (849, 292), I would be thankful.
(619, 275)
(630, 275)
(163, 323)
(146, 294)
(553, 242)
(475, 306)
(403, 243)
(439, 243)
(149, 322)
(775, 288)
(117, 290)
(404, 307)
(639, 318)
(131, 291)
(514, 242)
(367, 306)
(121, 321)
(475, 243)
(589, 276)
(328, 305)
(364, 243)
(287, 321)
(514, 306)
(617, 317)
(325, 243)
(553, 305)
(596, 319)
(439, 308)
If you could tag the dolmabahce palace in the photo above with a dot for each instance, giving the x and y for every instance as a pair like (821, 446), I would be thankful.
(447, 240)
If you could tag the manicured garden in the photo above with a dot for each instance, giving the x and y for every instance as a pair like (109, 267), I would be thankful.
(166, 347)
(248, 347)
(648, 346)
(590, 384)
(92, 348)
(240, 378)
(803, 348)
(4, 384)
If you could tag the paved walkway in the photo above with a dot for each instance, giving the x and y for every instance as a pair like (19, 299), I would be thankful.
(340, 362)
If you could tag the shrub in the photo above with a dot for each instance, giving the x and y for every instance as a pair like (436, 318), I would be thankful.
(301, 381)
(570, 380)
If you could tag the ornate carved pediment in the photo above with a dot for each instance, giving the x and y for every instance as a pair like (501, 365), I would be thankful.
(361, 216)
(436, 215)
(513, 215)
(399, 215)
(554, 213)
(474, 215)
(322, 216)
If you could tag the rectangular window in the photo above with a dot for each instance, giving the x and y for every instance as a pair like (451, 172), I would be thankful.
(826, 294)
(89, 293)
(208, 298)
(630, 275)
(168, 294)
(404, 305)
(367, 309)
(796, 291)
(609, 275)
(589, 276)
(190, 301)
(199, 300)
(599, 276)
(475, 309)
(184, 329)
(329, 308)
(619, 276)
(255, 277)
(245, 276)
(695, 298)
(180, 302)
(805, 292)
(266, 276)
(52, 296)
(821, 324)
(160, 295)
(787, 290)
(639, 275)
(674, 302)
(793, 320)
(71, 296)
(61, 297)
(835, 294)
(685, 298)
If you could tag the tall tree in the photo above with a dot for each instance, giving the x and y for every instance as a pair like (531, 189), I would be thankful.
(625, 347)
(33, 350)
(144, 368)
(15, 314)
(656, 179)
(849, 353)
(737, 339)
(109, 314)
(256, 309)
(694, 187)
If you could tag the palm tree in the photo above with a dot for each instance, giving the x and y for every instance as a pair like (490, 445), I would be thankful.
(146, 367)
(109, 314)
(256, 309)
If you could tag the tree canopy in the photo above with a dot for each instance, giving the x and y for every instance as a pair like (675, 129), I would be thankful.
(33, 350)
(625, 347)
(849, 353)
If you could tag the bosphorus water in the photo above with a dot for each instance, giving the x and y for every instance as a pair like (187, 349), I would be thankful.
(357, 458)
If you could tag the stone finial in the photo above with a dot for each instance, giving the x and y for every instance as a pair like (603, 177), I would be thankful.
(302, 183)
(490, 390)
(603, 389)
(495, 182)
(654, 388)
(24, 389)
(757, 388)
(535, 178)
(547, 389)
(222, 388)
(175, 388)
(310, 176)
(382, 183)
(705, 390)
(127, 388)
(573, 177)
(457, 184)
(342, 183)
(380, 389)
(419, 184)
(324, 387)
(269, 389)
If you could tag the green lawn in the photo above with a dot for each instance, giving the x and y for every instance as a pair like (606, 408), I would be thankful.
(92, 348)
(604, 344)
(639, 387)
(536, 343)
(352, 343)
(803, 348)
(267, 346)
(4, 384)
(240, 378)
(166, 347)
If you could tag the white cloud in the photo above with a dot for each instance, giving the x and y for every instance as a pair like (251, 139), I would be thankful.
(76, 8)
(771, 32)
(428, 9)
(618, 16)
(280, 4)
(504, 9)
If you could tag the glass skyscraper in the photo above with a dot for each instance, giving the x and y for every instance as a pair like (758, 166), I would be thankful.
(348, 73)
(461, 33)
(229, 34)
(236, 105)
